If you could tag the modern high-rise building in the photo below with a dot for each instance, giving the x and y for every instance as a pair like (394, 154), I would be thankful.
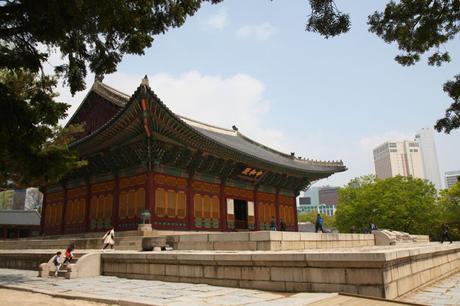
(452, 177)
(425, 139)
(398, 158)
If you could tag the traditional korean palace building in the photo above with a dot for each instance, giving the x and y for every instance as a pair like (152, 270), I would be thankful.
(188, 174)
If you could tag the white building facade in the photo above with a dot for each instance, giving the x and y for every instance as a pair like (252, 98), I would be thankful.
(425, 139)
(398, 158)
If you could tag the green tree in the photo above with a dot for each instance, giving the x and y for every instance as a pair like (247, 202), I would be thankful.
(449, 202)
(90, 35)
(95, 35)
(399, 203)
(33, 150)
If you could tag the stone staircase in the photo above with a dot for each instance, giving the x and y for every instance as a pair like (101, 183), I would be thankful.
(64, 271)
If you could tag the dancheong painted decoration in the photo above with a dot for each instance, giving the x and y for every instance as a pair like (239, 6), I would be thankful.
(189, 175)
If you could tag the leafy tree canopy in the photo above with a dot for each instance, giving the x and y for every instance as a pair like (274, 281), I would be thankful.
(399, 203)
(449, 202)
(90, 35)
(95, 35)
(33, 150)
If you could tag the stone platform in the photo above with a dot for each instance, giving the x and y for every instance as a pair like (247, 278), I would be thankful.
(385, 271)
(275, 261)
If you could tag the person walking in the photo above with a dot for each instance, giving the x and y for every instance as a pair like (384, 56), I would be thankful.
(282, 225)
(69, 254)
(319, 224)
(445, 233)
(109, 238)
(273, 224)
(373, 227)
(57, 262)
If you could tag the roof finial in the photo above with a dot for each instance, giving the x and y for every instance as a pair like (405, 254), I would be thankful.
(234, 128)
(98, 77)
(145, 81)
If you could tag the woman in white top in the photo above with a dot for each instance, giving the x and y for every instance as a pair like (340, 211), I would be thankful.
(109, 238)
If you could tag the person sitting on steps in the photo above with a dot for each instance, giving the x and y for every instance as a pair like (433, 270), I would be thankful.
(69, 254)
(57, 262)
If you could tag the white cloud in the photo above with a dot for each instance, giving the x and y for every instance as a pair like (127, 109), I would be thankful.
(222, 101)
(217, 21)
(260, 32)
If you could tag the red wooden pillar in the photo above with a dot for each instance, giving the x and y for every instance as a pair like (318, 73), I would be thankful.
(149, 192)
(152, 197)
(296, 222)
(88, 207)
(116, 202)
(64, 208)
(223, 209)
(42, 216)
(277, 208)
(256, 212)
(190, 204)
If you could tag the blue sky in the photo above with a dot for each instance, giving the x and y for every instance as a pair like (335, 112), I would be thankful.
(250, 63)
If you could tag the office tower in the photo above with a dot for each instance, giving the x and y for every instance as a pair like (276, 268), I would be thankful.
(398, 158)
(425, 139)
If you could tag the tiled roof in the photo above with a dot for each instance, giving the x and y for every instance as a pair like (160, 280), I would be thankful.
(230, 139)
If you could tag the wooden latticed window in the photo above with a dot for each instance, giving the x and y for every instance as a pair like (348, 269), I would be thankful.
(182, 205)
(131, 203)
(215, 207)
(170, 203)
(160, 202)
(198, 206)
(206, 206)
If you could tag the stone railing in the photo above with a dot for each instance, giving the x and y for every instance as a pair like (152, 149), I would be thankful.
(387, 237)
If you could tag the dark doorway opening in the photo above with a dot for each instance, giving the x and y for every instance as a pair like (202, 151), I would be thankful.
(241, 214)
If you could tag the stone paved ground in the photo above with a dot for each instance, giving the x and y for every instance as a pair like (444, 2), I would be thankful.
(148, 292)
(21, 298)
(444, 292)
(151, 292)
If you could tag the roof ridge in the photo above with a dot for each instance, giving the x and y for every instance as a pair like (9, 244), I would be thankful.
(114, 90)
(207, 125)
(110, 93)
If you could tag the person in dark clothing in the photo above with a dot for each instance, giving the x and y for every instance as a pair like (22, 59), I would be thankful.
(319, 223)
(445, 233)
(282, 225)
(273, 224)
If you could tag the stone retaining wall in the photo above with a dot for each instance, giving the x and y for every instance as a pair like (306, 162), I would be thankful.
(24, 261)
(386, 273)
(268, 241)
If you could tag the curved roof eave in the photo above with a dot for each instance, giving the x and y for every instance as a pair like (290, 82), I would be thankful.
(304, 166)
